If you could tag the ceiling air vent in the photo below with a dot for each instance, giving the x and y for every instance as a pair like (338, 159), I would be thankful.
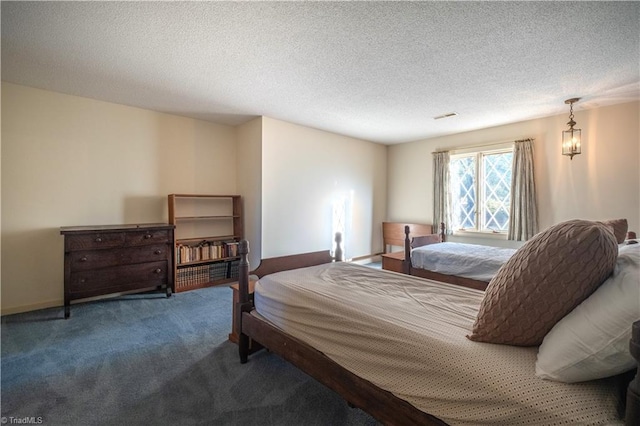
(447, 115)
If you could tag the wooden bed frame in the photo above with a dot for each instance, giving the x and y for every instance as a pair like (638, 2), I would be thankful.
(358, 392)
(411, 235)
(422, 240)
(395, 234)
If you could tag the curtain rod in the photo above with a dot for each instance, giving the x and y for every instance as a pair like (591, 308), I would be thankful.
(482, 145)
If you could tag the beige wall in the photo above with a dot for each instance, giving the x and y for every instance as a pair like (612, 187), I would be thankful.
(70, 161)
(601, 183)
(304, 171)
(75, 161)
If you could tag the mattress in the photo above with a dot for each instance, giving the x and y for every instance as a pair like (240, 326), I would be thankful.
(464, 260)
(407, 336)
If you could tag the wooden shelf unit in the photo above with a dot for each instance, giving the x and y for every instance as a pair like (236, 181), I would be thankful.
(208, 228)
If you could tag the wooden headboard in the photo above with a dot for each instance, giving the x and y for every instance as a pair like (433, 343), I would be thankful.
(393, 232)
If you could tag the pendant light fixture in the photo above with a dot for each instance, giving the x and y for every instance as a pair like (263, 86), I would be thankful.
(571, 139)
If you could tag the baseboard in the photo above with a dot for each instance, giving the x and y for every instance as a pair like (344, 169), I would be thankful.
(374, 257)
(60, 302)
(34, 307)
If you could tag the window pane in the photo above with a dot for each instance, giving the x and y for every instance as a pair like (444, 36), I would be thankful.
(463, 184)
(497, 191)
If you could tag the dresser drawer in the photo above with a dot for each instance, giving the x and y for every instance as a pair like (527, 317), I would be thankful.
(94, 241)
(139, 238)
(153, 274)
(94, 259)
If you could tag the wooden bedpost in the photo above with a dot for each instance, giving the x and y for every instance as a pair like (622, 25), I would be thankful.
(632, 416)
(243, 298)
(337, 255)
(442, 232)
(406, 265)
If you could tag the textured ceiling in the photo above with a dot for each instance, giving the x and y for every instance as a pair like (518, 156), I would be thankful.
(379, 71)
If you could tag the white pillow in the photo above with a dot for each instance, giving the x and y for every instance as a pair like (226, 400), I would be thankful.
(592, 341)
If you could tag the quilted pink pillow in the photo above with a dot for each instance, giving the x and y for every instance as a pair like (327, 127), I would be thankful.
(543, 281)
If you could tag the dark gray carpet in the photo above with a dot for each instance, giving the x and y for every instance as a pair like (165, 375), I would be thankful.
(148, 360)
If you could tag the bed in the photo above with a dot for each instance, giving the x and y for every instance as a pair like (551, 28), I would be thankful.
(432, 257)
(288, 306)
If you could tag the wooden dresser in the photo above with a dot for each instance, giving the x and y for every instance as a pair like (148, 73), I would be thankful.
(101, 260)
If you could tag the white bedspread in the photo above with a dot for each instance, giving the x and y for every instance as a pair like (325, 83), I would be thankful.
(464, 260)
(407, 335)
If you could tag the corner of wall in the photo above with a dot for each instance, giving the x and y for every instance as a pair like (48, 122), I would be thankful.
(249, 183)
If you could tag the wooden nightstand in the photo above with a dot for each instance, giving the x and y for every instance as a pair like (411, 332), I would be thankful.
(233, 336)
(393, 261)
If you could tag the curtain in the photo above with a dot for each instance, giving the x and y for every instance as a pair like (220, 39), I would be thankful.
(523, 223)
(441, 192)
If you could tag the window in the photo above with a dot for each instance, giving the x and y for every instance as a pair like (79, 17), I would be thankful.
(481, 190)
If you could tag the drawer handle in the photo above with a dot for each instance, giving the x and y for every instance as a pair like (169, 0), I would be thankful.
(157, 271)
(83, 280)
(158, 252)
(147, 236)
(98, 240)
(83, 259)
